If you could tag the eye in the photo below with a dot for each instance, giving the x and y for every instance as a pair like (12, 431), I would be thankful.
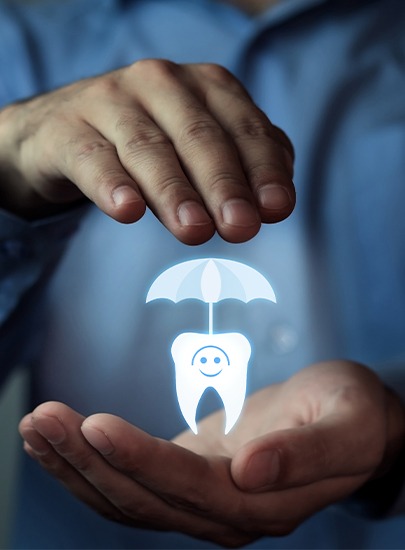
(203, 360)
(217, 360)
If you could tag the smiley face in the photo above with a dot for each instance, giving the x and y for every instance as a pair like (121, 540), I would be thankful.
(210, 360)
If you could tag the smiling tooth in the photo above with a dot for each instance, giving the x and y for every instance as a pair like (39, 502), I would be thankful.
(217, 361)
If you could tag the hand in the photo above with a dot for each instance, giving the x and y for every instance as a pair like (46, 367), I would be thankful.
(185, 140)
(299, 446)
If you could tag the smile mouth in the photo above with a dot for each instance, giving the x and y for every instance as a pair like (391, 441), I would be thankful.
(210, 375)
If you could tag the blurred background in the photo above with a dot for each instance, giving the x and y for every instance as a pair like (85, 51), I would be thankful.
(11, 410)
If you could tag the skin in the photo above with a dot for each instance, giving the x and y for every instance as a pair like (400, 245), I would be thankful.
(187, 142)
(299, 446)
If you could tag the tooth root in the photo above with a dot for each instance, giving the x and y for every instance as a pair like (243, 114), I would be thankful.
(189, 385)
(188, 396)
(232, 387)
(230, 382)
(233, 403)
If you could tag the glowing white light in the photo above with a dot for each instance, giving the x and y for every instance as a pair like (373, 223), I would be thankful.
(210, 283)
(219, 361)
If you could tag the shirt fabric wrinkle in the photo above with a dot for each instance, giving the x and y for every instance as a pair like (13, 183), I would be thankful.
(324, 104)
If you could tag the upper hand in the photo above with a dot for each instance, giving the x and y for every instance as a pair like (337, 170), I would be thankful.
(185, 140)
(299, 447)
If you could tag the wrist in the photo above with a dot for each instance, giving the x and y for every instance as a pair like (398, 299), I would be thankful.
(17, 196)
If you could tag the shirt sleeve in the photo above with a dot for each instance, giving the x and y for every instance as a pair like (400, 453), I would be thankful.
(18, 69)
(29, 252)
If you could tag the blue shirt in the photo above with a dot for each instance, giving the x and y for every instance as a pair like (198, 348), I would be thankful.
(332, 75)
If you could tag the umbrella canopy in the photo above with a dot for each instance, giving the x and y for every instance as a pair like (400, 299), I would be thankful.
(211, 280)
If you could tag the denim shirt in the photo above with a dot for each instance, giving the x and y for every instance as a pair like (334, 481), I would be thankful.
(73, 288)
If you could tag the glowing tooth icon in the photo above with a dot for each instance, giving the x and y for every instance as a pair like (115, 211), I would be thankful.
(218, 361)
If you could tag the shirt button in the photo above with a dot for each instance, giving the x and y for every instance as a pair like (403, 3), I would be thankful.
(283, 338)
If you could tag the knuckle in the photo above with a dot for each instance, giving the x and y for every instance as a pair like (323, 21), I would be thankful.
(107, 86)
(284, 140)
(154, 68)
(143, 135)
(220, 182)
(260, 174)
(84, 151)
(193, 501)
(145, 138)
(219, 75)
(131, 121)
(253, 127)
(263, 170)
(171, 188)
(109, 179)
(200, 130)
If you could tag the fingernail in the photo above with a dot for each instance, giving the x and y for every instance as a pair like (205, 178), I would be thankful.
(240, 212)
(124, 195)
(274, 197)
(50, 427)
(264, 469)
(193, 213)
(97, 439)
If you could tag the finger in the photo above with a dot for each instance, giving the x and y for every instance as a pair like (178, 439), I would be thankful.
(164, 467)
(149, 157)
(191, 482)
(304, 455)
(202, 484)
(266, 153)
(257, 514)
(60, 426)
(92, 164)
(206, 152)
(38, 448)
(133, 503)
(279, 513)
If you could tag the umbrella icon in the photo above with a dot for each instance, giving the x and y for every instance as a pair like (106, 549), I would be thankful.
(211, 280)
(217, 361)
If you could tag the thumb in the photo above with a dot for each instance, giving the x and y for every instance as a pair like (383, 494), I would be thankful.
(331, 447)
